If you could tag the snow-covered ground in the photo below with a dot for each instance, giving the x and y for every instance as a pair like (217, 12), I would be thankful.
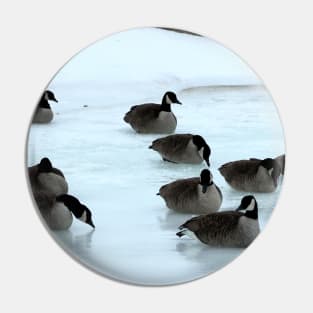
(110, 168)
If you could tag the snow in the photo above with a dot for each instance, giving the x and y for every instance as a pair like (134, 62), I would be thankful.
(110, 168)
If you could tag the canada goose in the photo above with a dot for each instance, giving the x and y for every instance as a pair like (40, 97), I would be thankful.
(153, 118)
(182, 148)
(43, 112)
(229, 228)
(252, 175)
(197, 195)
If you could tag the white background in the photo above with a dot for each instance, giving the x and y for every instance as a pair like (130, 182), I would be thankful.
(275, 38)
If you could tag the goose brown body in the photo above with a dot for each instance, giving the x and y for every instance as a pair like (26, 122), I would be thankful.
(152, 118)
(147, 118)
(228, 228)
(250, 175)
(181, 148)
(188, 196)
(43, 115)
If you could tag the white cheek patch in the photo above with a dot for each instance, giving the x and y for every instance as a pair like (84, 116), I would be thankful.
(189, 234)
(251, 206)
(270, 171)
(201, 152)
(83, 218)
(168, 100)
(46, 96)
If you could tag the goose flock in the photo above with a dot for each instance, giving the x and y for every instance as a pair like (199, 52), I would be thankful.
(196, 195)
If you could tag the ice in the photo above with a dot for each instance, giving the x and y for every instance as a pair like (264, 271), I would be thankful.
(110, 168)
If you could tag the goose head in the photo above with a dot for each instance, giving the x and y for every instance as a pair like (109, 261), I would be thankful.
(206, 179)
(203, 148)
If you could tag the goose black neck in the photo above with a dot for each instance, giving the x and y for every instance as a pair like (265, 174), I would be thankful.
(206, 184)
(165, 106)
(43, 103)
(75, 207)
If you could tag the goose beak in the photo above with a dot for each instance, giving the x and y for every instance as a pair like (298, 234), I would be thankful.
(180, 234)
(204, 188)
(55, 100)
(207, 162)
(177, 101)
(240, 208)
(91, 224)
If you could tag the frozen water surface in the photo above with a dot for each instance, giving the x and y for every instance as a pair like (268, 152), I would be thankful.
(110, 168)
